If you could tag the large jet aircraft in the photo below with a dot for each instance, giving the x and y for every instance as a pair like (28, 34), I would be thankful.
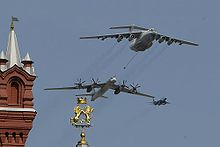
(103, 88)
(140, 38)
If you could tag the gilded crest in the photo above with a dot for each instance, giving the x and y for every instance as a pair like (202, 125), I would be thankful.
(82, 115)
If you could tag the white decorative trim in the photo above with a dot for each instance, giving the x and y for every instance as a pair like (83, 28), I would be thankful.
(17, 109)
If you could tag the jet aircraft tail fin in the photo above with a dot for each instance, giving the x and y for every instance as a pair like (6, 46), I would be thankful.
(130, 27)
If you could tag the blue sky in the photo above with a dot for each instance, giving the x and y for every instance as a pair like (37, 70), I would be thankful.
(188, 76)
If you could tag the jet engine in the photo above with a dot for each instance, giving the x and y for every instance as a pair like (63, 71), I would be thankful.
(157, 36)
(89, 89)
(120, 37)
(117, 91)
(131, 37)
(170, 42)
(103, 38)
(161, 39)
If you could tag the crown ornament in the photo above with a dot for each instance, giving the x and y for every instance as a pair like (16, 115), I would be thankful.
(81, 100)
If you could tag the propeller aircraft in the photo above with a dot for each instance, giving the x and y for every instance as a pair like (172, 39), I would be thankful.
(140, 38)
(103, 88)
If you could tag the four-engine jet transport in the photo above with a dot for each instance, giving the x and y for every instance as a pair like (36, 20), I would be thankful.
(140, 38)
(103, 88)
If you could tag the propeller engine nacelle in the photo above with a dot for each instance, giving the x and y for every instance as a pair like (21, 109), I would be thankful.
(79, 83)
(103, 38)
(131, 37)
(157, 36)
(89, 89)
(117, 91)
(134, 88)
(120, 37)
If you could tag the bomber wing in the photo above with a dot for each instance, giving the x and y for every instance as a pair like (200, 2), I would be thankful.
(96, 85)
(125, 89)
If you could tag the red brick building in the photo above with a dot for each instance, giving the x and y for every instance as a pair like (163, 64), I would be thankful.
(16, 106)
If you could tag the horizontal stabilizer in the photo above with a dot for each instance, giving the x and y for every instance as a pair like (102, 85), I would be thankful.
(130, 27)
(86, 94)
(104, 97)
(94, 98)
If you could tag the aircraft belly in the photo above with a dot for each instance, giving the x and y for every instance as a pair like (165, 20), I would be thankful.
(99, 93)
(138, 47)
(103, 90)
(142, 44)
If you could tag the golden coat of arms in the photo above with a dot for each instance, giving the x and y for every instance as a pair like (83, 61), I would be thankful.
(82, 115)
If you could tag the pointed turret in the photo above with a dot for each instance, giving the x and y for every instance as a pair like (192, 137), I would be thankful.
(3, 61)
(28, 64)
(13, 52)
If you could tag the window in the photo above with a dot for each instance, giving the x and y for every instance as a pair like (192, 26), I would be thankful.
(14, 93)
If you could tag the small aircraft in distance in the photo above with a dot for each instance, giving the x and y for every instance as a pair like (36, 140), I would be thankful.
(159, 102)
(103, 88)
(140, 38)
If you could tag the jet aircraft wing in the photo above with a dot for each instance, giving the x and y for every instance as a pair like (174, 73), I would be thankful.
(130, 91)
(170, 40)
(116, 36)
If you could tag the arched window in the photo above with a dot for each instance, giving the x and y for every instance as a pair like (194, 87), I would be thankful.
(14, 93)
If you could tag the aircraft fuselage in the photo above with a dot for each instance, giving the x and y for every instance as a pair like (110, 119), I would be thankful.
(145, 41)
(104, 89)
(161, 102)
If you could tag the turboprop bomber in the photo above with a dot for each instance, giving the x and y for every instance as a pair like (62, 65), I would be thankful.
(103, 88)
(140, 38)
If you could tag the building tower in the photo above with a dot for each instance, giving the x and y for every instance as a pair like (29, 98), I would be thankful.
(16, 82)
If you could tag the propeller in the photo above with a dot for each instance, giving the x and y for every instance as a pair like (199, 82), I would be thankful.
(79, 83)
(95, 82)
(123, 84)
(134, 88)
